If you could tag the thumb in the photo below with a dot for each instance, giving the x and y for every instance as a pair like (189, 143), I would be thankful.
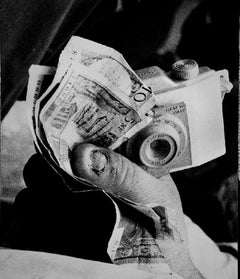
(117, 175)
(120, 177)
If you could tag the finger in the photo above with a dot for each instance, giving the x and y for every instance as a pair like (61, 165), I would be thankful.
(120, 177)
(117, 175)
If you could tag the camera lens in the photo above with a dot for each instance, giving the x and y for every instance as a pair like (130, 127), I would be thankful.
(160, 149)
(158, 145)
(157, 150)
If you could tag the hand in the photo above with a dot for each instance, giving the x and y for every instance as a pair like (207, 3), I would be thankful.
(118, 176)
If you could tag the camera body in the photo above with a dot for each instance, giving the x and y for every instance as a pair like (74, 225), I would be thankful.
(187, 128)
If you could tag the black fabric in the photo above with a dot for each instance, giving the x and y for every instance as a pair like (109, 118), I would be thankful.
(50, 218)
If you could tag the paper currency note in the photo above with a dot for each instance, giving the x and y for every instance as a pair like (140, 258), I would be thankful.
(135, 239)
(104, 106)
(37, 75)
(104, 60)
(39, 78)
(112, 108)
(88, 108)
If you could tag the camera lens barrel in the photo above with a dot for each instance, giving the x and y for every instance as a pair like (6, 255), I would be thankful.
(159, 146)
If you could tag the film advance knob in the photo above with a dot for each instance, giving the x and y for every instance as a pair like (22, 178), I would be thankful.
(185, 69)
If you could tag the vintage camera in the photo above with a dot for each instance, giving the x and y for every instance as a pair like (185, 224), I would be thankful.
(187, 123)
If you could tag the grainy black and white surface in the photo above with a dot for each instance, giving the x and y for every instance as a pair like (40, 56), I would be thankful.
(147, 33)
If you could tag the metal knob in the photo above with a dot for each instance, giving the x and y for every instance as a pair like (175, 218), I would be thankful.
(185, 69)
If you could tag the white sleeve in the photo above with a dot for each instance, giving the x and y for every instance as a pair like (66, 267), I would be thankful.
(207, 257)
(31, 264)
